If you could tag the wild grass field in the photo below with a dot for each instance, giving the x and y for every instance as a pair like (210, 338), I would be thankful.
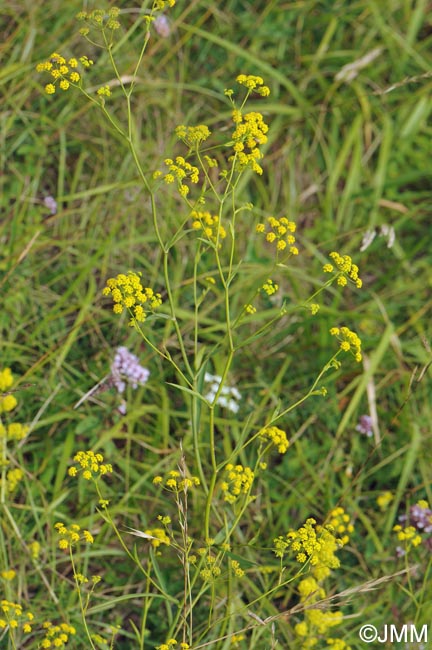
(215, 376)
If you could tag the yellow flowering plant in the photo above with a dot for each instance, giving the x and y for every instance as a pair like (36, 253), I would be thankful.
(191, 327)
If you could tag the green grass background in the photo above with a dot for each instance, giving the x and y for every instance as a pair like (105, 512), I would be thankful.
(341, 158)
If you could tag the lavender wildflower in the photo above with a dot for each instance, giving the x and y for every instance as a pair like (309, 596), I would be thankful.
(126, 369)
(50, 203)
(420, 516)
(365, 425)
(162, 26)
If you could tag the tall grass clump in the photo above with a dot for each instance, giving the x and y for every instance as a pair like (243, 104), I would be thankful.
(210, 351)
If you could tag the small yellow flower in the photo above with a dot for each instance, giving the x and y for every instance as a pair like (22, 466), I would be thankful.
(250, 132)
(8, 575)
(91, 465)
(209, 225)
(8, 403)
(193, 136)
(238, 481)
(346, 270)
(280, 232)
(384, 499)
(6, 379)
(349, 341)
(127, 292)
(104, 91)
(270, 287)
(277, 437)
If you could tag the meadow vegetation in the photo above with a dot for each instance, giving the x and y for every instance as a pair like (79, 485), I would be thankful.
(215, 253)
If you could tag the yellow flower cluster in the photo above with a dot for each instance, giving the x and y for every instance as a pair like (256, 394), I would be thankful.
(13, 478)
(6, 379)
(277, 437)
(270, 287)
(236, 639)
(384, 499)
(238, 481)
(104, 91)
(180, 170)
(81, 579)
(14, 430)
(324, 558)
(13, 616)
(317, 544)
(250, 132)
(209, 225)
(56, 636)
(100, 19)
(172, 644)
(193, 136)
(160, 537)
(339, 522)
(318, 622)
(72, 535)
(238, 571)
(337, 644)
(211, 570)
(279, 231)
(346, 270)
(62, 71)
(7, 403)
(175, 482)
(409, 535)
(35, 549)
(159, 5)
(8, 575)
(303, 541)
(252, 82)
(349, 341)
(128, 293)
(91, 465)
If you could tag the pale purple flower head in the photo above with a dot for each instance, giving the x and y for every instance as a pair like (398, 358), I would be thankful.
(365, 425)
(420, 518)
(126, 368)
(162, 26)
(51, 204)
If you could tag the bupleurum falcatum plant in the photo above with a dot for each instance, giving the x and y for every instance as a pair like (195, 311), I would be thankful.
(219, 575)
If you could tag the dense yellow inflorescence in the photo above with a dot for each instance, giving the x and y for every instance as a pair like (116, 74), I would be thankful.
(209, 225)
(346, 270)
(349, 341)
(279, 232)
(128, 293)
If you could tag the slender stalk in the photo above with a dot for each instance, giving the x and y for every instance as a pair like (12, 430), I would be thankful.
(81, 603)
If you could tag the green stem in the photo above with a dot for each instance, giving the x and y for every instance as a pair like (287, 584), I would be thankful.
(82, 608)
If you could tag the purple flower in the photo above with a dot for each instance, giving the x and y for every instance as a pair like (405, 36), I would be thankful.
(126, 368)
(51, 204)
(420, 518)
(365, 425)
(162, 26)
